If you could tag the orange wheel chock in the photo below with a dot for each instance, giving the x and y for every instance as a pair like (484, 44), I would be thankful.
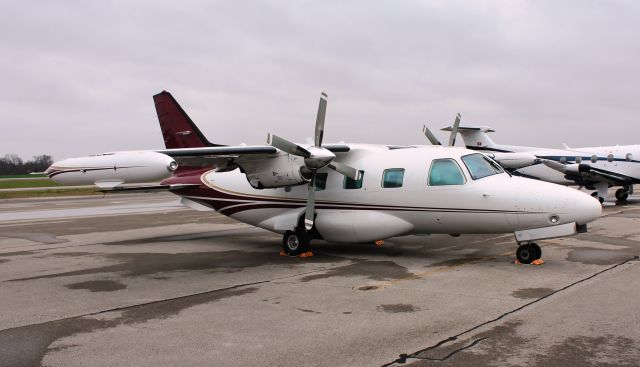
(282, 253)
(379, 243)
(306, 254)
(534, 262)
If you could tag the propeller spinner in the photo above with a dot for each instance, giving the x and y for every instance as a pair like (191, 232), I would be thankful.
(315, 158)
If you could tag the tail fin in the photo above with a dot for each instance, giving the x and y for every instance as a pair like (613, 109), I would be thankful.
(178, 130)
(475, 136)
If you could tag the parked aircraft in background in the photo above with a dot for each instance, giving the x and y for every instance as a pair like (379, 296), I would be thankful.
(342, 192)
(596, 168)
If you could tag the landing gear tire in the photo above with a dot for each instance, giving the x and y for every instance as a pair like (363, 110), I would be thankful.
(622, 195)
(525, 254)
(537, 251)
(600, 198)
(295, 243)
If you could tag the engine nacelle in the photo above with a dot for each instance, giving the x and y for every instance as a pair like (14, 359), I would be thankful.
(279, 171)
(112, 169)
(514, 160)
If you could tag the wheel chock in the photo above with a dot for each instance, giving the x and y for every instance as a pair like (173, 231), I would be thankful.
(379, 243)
(534, 262)
(304, 254)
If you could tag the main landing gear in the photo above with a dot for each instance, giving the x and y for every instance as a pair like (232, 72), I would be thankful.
(528, 253)
(623, 193)
(295, 242)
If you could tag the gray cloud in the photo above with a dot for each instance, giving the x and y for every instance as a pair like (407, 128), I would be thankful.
(78, 77)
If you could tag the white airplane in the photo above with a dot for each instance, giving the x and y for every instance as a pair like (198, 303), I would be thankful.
(596, 168)
(308, 192)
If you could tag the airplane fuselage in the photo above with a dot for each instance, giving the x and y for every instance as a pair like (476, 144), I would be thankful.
(497, 203)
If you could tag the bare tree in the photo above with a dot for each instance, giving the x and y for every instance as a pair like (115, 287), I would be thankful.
(11, 164)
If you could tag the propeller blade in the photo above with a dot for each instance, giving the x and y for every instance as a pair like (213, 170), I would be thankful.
(322, 111)
(287, 146)
(348, 171)
(454, 131)
(432, 138)
(311, 203)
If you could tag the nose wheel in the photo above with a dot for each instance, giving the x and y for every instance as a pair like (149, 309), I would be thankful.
(295, 242)
(600, 198)
(528, 252)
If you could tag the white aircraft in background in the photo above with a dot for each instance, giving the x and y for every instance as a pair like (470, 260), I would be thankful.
(596, 168)
(340, 192)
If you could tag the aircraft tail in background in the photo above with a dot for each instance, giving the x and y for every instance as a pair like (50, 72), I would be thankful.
(475, 137)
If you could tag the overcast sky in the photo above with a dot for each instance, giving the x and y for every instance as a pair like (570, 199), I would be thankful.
(78, 76)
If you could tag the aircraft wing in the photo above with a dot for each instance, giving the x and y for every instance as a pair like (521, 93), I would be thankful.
(237, 151)
(226, 156)
(585, 173)
(610, 176)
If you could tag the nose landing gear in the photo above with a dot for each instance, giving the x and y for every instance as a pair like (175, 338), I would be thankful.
(600, 198)
(528, 253)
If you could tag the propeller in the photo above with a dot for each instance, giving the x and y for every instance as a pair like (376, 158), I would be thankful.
(452, 138)
(315, 158)
(432, 138)
(454, 131)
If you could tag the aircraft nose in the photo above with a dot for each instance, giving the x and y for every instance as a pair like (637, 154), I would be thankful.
(584, 208)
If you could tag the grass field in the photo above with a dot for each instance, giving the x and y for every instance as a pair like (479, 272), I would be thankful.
(15, 184)
(21, 176)
(51, 192)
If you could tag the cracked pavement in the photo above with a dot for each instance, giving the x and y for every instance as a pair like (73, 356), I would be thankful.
(136, 280)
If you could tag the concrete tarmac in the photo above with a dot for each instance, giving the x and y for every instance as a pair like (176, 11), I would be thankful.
(137, 280)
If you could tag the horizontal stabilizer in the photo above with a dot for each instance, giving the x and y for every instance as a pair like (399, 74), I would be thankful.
(485, 129)
(475, 136)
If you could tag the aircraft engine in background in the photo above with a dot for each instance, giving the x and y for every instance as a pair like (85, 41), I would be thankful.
(109, 170)
(514, 160)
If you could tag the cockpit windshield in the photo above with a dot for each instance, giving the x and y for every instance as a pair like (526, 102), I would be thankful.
(480, 166)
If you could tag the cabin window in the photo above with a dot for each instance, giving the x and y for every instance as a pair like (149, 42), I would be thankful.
(480, 166)
(321, 181)
(610, 157)
(392, 177)
(350, 184)
(594, 158)
(629, 157)
(563, 160)
(578, 159)
(445, 172)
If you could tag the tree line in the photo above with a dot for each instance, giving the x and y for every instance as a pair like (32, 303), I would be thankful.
(11, 164)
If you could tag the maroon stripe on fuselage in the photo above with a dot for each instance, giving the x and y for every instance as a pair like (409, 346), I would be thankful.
(231, 203)
(222, 200)
(57, 172)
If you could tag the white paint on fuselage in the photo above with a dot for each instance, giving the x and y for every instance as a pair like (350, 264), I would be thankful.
(494, 204)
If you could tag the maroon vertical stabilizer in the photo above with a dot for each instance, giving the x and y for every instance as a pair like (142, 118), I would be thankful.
(178, 130)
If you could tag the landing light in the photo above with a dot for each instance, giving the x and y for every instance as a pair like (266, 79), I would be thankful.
(554, 219)
(173, 166)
